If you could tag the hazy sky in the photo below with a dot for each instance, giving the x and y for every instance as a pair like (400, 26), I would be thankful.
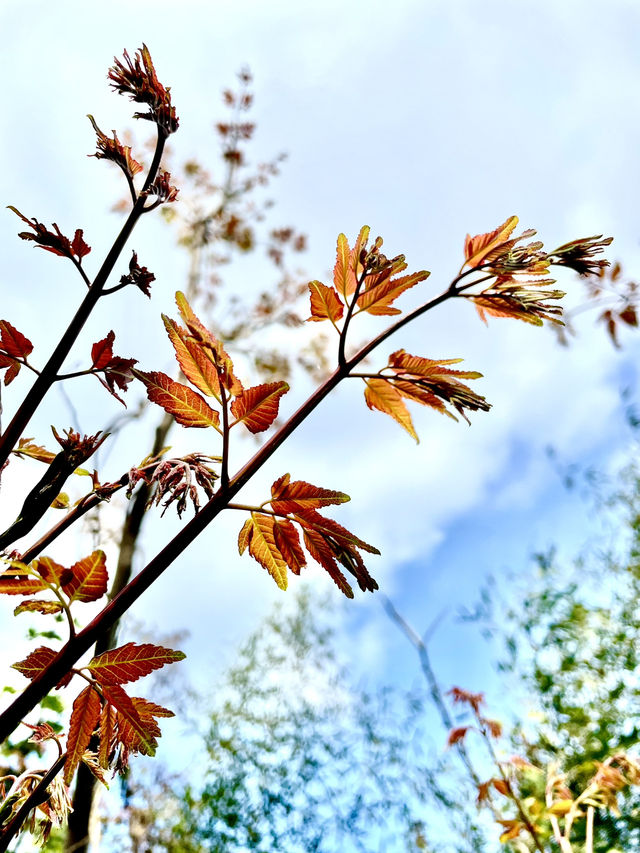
(426, 120)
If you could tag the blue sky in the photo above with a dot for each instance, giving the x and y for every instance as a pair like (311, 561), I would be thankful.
(426, 120)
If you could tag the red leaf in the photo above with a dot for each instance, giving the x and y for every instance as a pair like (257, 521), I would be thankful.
(187, 407)
(14, 342)
(257, 407)
(134, 732)
(107, 735)
(321, 553)
(130, 662)
(78, 245)
(325, 303)
(287, 542)
(14, 369)
(102, 351)
(84, 718)
(89, 582)
(35, 662)
(289, 497)
(456, 735)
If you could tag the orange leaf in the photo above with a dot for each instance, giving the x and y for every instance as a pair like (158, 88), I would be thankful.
(52, 572)
(287, 542)
(187, 407)
(89, 582)
(344, 277)
(193, 361)
(130, 662)
(35, 662)
(354, 256)
(16, 581)
(330, 528)
(377, 299)
(325, 303)
(289, 497)
(403, 362)
(107, 735)
(14, 342)
(197, 329)
(322, 554)
(501, 787)
(34, 606)
(381, 395)
(134, 732)
(456, 735)
(477, 248)
(257, 407)
(35, 451)
(257, 533)
(84, 718)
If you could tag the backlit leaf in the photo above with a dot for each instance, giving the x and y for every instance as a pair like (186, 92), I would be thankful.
(130, 662)
(89, 582)
(321, 553)
(51, 571)
(257, 407)
(34, 606)
(477, 248)
(102, 351)
(377, 299)
(136, 734)
(287, 496)
(107, 735)
(84, 719)
(287, 541)
(259, 537)
(14, 342)
(35, 451)
(381, 395)
(187, 407)
(193, 361)
(325, 303)
(13, 371)
(35, 662)
(343, 274)
(17, 581)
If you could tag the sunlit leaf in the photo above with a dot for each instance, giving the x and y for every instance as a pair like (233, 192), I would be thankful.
(135, 733)
(325, 303)
(377, 299)
(287, 496)
(84, 719)
(18, 581)
(344, 277)
(35, 662)
(321, 553)
(257, 534)
(102, 351)
(35, 451)
(130, 662)
(14, 342)
(477, 248)
(187, 407)
(193, 361)
(89, 582)
(33, 605)
(287, 541)
(257, 407)
(381, 395)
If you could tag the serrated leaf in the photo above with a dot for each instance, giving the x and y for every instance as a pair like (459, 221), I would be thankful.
(187, 407)
(131, 662)
(35, 662)
(381, 395)
(134, 732)
(325, 303)
(84, 718)
(244, 537)
(343, 274)
(107, 735)
(287, 542)
(477, 248)
(377, 299)
(34, 606)
(354, 255)
(257, 407)
(14, 342)
(89, 582)
(193, 361)
(416, 365)
(287, 496)
(321, 553)
(102, 351)
(330, 528)
(262, 547)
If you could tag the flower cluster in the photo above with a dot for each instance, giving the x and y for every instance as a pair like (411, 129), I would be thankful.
(578, 255)
(177, 480)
